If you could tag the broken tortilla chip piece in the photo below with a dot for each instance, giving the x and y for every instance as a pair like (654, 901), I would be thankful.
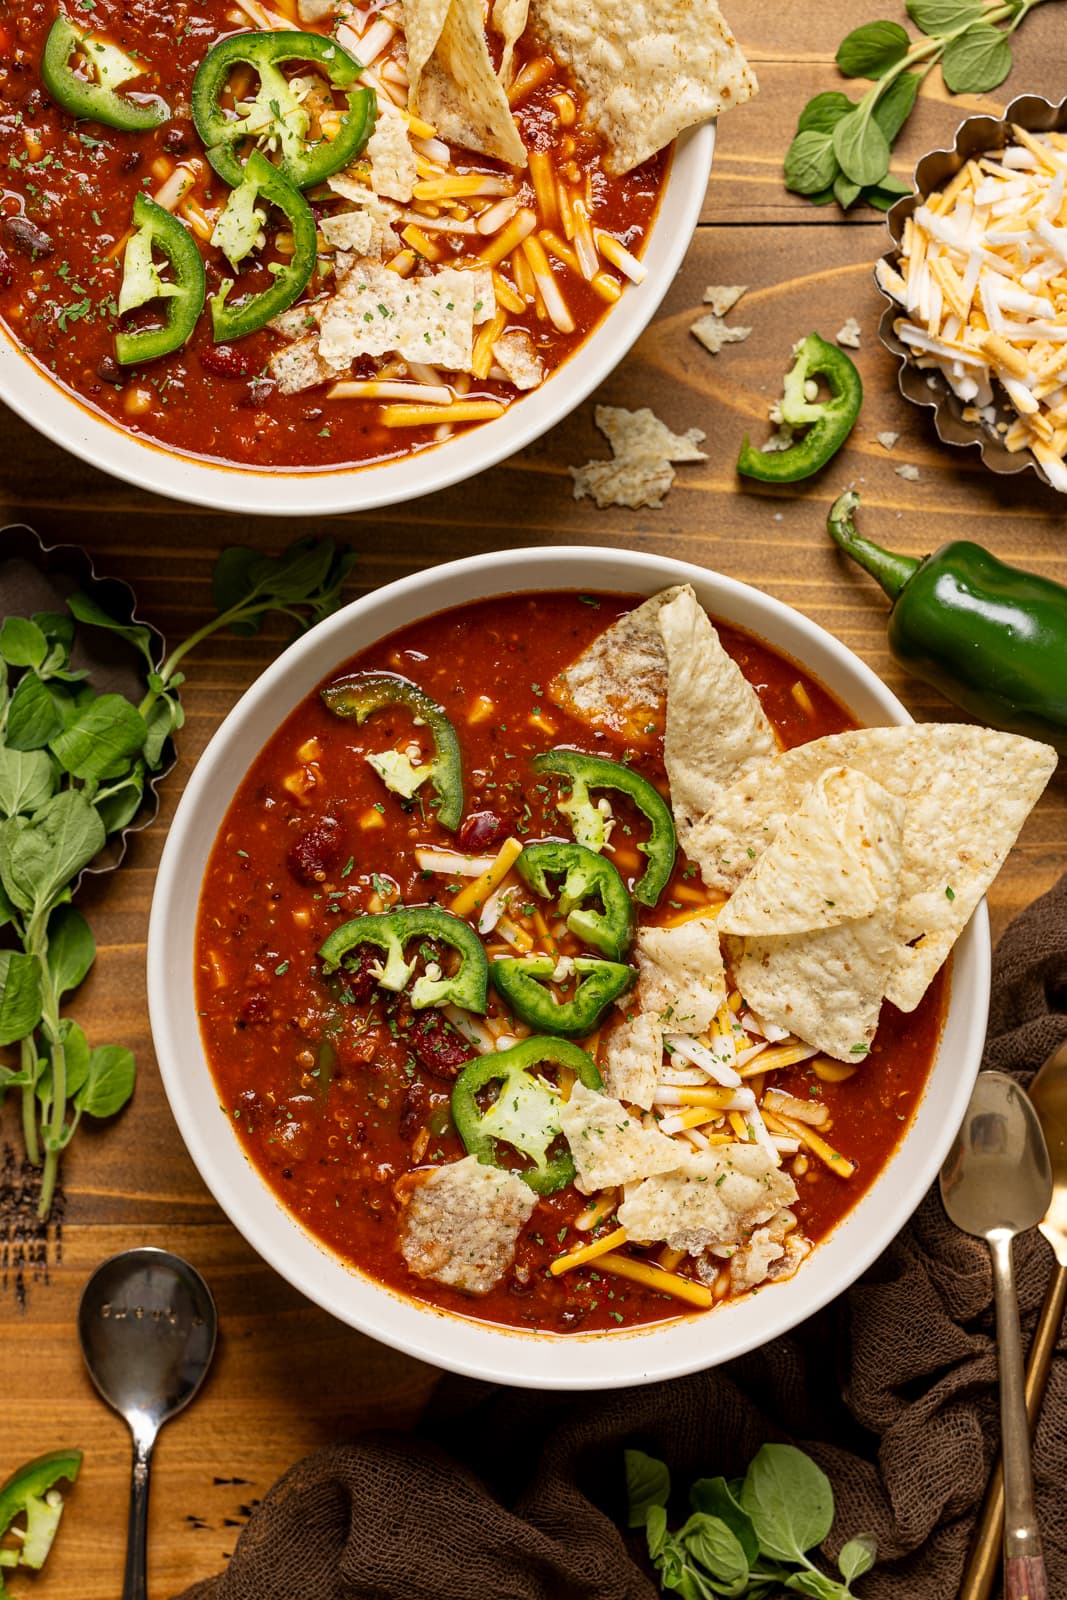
(620, 681)
(640, 472)
(648, 70)
(632, 1057)
(453, 84)
(680, 976)
(715, 1197)
(835, 859)
(967, 791)
(716, 727)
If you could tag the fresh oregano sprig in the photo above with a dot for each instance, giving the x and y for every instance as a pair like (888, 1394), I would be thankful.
(746, 1536)
(73, 767)
(842, 146)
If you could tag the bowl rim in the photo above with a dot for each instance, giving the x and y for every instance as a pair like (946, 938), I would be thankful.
(69, 422)
(465, 1345)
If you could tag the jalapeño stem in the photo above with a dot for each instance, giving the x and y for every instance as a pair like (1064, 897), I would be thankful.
(892, 571)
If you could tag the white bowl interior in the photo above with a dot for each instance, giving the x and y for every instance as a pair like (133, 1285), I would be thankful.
(57, 414)
(513, 1356)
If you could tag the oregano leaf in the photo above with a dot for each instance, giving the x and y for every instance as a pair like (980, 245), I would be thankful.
(977, 61)
(810, 164)
(824, 111)
(861, 148)
(895, 106)
(939, 17)
(846, 193)
(872, 50)
(857, 1556)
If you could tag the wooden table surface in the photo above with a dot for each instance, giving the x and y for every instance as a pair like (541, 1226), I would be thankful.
(287, 1377)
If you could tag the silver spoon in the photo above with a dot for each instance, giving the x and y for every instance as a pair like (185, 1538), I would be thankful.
(997, 1182)
(147, 1326)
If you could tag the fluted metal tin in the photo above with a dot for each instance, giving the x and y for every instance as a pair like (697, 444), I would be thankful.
(974, 137)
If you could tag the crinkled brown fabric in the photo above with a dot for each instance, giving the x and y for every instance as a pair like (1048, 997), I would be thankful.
(513, 1495)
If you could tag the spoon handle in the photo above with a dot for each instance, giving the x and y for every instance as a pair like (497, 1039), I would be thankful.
(135, 1581)
(985, 1552)
(1024, 1567)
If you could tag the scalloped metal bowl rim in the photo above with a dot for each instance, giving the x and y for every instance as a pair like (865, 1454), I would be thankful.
(461, 1344)
(62, 417)
(894, 220)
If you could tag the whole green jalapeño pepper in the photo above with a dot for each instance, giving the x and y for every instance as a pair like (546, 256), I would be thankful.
(31, 1492)
(96, 98)
(828, 422)
(367, 692)
(392, 931)
(277, 115)
(521, 982)
(182, 295)
(991, 638)
(236, 233)
(587, 878)
(525, 1112)
(590, 828)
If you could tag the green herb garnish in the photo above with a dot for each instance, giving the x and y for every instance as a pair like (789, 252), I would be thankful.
(842, 146)
(746, 1536)
(73, 768)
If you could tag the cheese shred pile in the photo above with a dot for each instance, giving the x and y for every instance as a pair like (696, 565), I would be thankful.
(982, 277)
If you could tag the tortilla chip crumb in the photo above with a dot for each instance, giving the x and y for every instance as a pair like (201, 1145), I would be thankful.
(849, 335)
(713, 333)
(640, 472)
(723, 297)
(908, 471)
(888, 440)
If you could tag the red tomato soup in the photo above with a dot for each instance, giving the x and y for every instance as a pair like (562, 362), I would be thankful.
(333, 1097)
(66, 219)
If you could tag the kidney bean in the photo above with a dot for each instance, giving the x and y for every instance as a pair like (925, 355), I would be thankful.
(223, 361)
(318, 848)
(479, 831)
(23, 235)
(439, 1047)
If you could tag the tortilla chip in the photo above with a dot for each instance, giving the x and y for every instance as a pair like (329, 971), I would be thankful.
(648, 71)
(455, 87)
(620, 682)
(715, 1197)
(509, 19)
(680, 977)
(640, 471)
(632, 1056)
(967, 790)
(716, 727)
(608, 1145)
(834, 860)
(820, 911)
(826, 986)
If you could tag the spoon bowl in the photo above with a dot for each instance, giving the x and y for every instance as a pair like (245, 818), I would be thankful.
(997, 1182)
(147, 1325)
(997, 1176)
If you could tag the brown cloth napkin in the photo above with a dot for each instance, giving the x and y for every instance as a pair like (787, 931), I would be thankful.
(518, 1495)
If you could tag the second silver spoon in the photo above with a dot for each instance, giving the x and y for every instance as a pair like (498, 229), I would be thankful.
(997, 1182)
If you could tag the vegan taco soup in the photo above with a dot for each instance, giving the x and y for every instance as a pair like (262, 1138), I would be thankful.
(316, 233)
(571, 963)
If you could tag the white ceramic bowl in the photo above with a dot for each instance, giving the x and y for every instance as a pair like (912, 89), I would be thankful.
(284, 493)
(572, 1361)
